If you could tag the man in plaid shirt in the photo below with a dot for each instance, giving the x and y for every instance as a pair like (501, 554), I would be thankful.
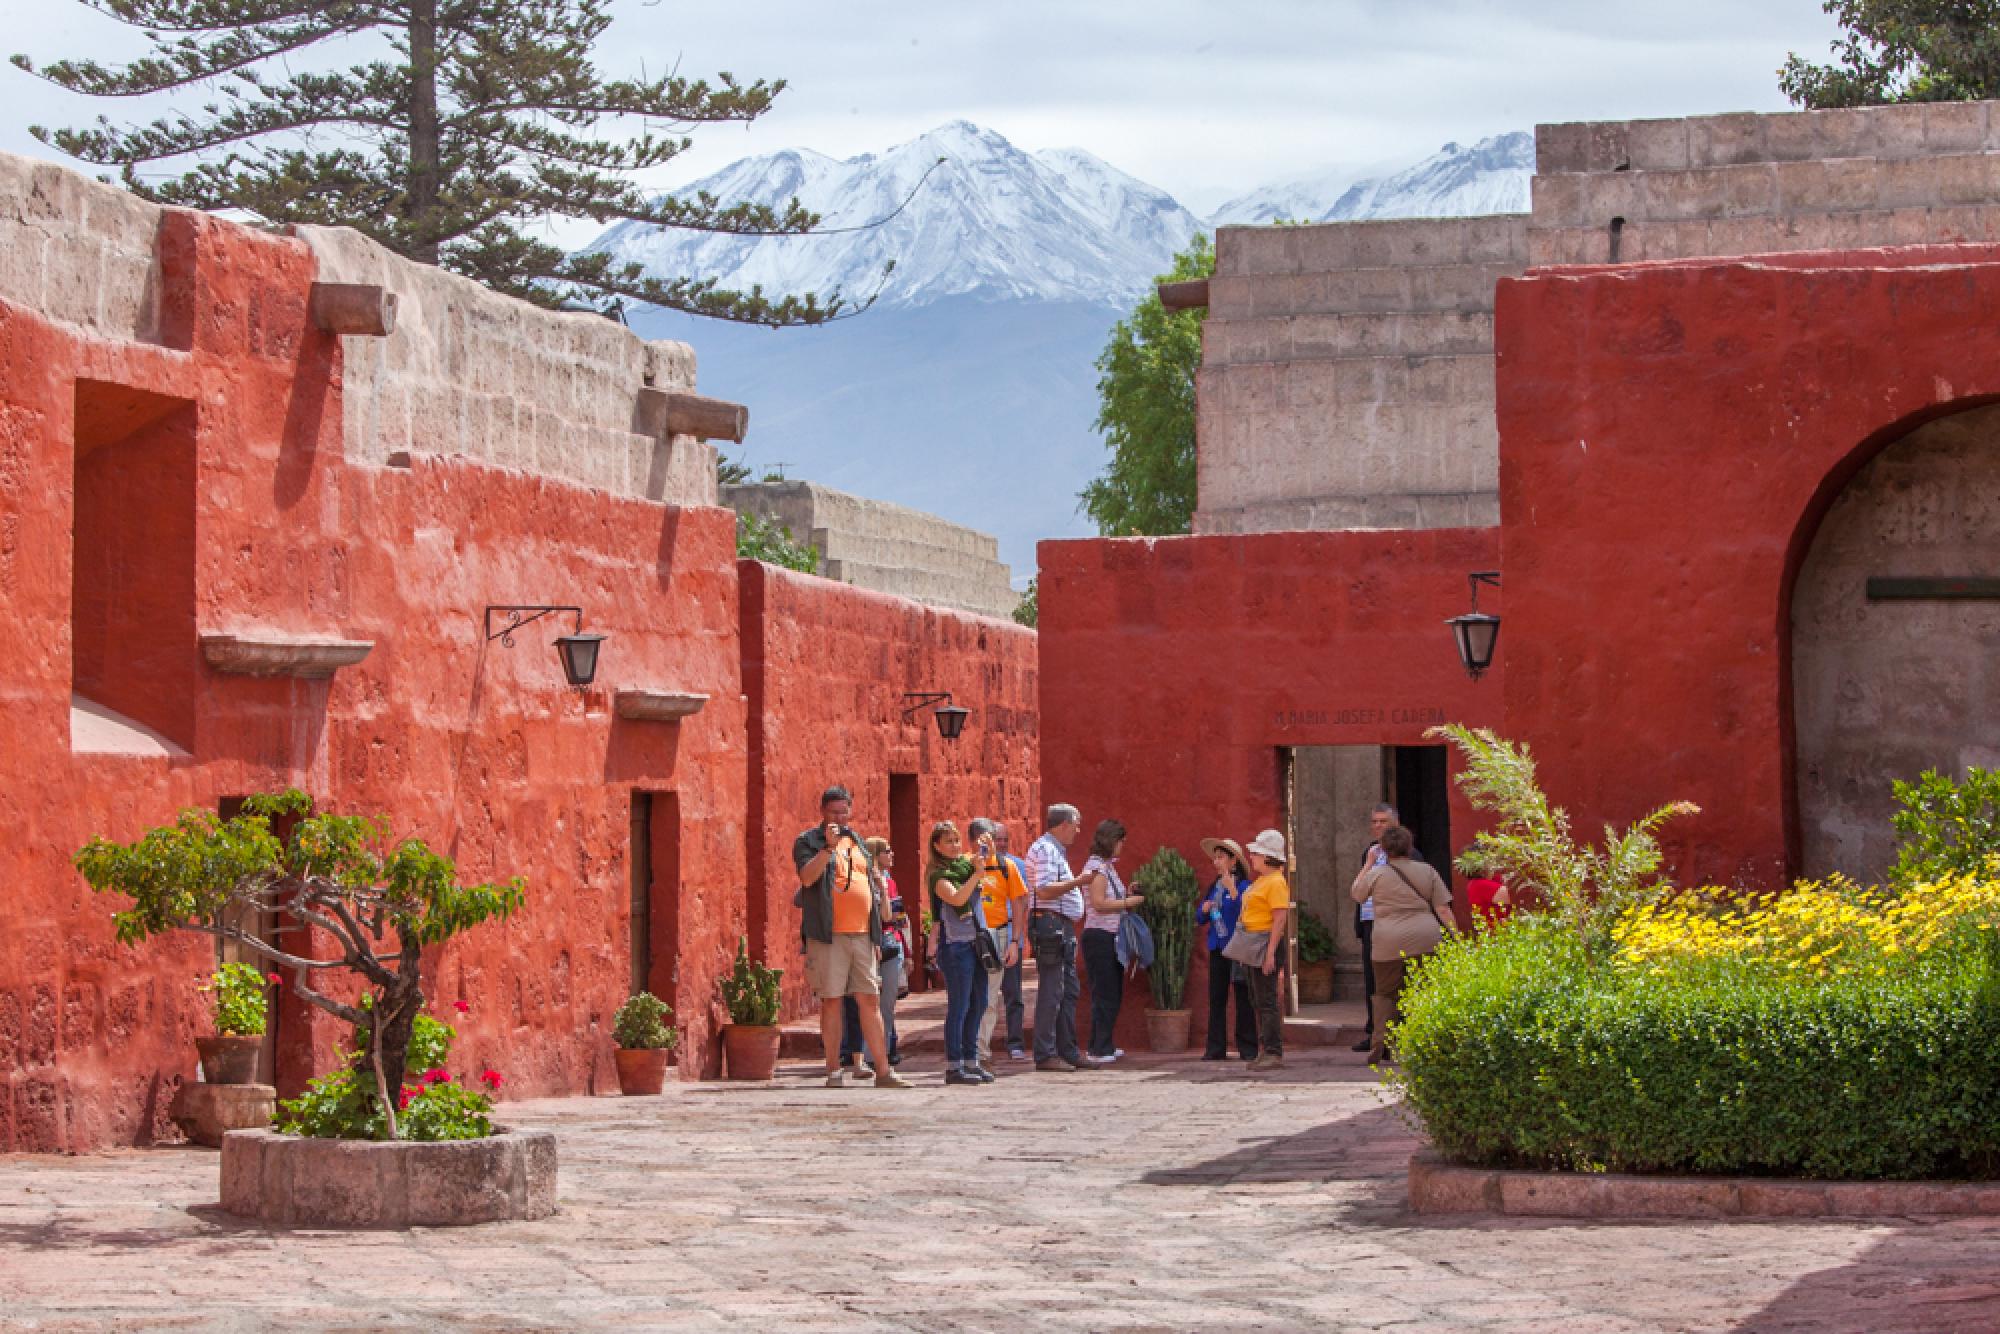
(1057, 903)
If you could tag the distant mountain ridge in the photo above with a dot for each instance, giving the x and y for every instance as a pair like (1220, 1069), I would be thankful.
(997, 223)
(969, 390)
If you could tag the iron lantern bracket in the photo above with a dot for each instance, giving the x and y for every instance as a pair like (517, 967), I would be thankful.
(516, 619)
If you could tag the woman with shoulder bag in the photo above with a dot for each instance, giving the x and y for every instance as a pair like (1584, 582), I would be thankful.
(953, 881)
(1218, 911)
(1105, 902)
(1258, 943)
(1410, 898)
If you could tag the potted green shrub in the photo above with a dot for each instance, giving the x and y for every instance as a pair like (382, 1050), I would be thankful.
(750, 1038)
(644, 1041)
(1169, 885)
(236, 996)
(1316, 951)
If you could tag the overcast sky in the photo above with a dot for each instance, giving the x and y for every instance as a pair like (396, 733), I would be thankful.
(1205, 98)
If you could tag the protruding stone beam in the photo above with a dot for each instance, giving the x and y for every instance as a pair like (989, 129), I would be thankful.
(278, 655)
(676, 412)
(359, 309)
(657, 706)
(1190, 295)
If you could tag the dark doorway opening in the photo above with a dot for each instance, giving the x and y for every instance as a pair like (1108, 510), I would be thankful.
(656, 895)
(906, 840)
(1421, 794)
(277, 1065)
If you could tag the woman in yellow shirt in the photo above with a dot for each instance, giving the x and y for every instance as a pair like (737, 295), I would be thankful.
(1265, 909)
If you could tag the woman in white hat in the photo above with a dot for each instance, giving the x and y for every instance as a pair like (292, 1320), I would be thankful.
(1265, 909)
(1218, 910)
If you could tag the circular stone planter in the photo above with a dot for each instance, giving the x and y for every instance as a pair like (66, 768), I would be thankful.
(388, 1184)
(228, 1060)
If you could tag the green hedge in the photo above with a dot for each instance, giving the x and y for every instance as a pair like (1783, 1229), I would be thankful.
(1516, 1050)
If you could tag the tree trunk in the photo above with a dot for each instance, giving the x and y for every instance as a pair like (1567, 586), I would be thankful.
(422, 208)
(401, 1003)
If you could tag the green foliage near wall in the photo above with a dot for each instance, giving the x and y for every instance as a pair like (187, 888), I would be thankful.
(1902, 51)
(1145, 391)
(758, 538)
(1947, 828)
(1029, 610)
(1169, 885)
(1517, 1049)
(750, 992)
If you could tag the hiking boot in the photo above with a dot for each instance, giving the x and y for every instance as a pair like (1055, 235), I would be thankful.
(1264, 1061)
(1054, 1065)
(889, 1079)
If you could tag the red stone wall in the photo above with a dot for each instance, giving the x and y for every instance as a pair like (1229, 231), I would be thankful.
(826, 667)
(1671, 436)
(1174, 670)
(478, 748)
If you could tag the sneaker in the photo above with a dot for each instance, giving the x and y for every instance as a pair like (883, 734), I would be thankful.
(1117, 1052)
(889, 1079)
(1261, 1064)
(837, 1080)
(1017, 1053)
(861, 1070)
(1054, 1065)
(983, 1075)
(961, 1077)
(1363, 1045)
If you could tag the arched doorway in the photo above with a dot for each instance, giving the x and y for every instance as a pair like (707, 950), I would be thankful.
(1895, 669)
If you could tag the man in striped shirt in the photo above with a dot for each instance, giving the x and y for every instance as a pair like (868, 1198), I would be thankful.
(1057, 908)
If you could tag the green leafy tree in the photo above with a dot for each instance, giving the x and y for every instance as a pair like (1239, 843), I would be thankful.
(1028, 611)
(1586, 887)
(1947, 828)
(1902, 51)
(336, 873)
(758, 538)
(480, 116)
(1145, 392)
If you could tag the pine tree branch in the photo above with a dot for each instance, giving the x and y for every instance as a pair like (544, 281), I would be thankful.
(211, 15)
(308, 102)
(187, 61)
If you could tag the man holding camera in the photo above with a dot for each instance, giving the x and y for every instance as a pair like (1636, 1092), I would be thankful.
(840, 923)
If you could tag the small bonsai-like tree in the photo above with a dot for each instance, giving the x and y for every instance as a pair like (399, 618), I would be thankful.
(751, 990)
(378, 905)
(640, 1024)
(1169, 885)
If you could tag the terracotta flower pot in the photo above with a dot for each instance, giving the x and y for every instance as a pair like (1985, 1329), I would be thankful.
(229, 1060)
(1316, 982)
(643, 1071)
(1167, 1030)
(751, 1050)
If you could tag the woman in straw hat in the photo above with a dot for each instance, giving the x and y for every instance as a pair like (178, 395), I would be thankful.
(1219, 909)
(1265, 908)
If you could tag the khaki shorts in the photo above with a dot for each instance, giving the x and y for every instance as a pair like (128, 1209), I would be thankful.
(846, 966)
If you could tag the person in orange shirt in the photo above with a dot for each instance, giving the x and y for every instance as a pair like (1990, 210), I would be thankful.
(840, 925)
(1004, 899)
(1265, 909)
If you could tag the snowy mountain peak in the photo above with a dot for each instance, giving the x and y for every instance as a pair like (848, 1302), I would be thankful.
(979, 217)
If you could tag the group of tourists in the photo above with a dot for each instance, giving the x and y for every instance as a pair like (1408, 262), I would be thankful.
(991, 911)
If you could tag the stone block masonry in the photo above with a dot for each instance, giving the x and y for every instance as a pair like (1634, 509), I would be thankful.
(1347, 375)
(885, 547)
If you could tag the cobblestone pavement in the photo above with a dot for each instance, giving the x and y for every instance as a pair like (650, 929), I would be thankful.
(1161, 1195)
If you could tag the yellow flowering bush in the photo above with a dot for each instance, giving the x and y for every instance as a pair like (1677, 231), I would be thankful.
(1832, 927)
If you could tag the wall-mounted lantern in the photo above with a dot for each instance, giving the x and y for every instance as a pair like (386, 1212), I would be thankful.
(950, 718)
(1477, 631)
(577, 650)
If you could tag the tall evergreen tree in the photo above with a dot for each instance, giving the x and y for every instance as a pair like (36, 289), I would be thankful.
(1902, 51)
(483, 116)
(1145, 391)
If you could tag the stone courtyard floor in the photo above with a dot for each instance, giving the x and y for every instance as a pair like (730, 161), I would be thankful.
(1166, 1194)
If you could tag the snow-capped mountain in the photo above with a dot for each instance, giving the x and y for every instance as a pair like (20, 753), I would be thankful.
(990, 220)
(1490, 177)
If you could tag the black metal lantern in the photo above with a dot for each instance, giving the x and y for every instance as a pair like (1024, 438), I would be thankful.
(1477, 632)
(579, 657)
(950, 718)
(578, 651)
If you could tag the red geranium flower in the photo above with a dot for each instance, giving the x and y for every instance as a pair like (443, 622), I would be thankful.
(274, 979)
(492, 1078)
(403, 1098)
(437, 1075)
(461, 1007)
